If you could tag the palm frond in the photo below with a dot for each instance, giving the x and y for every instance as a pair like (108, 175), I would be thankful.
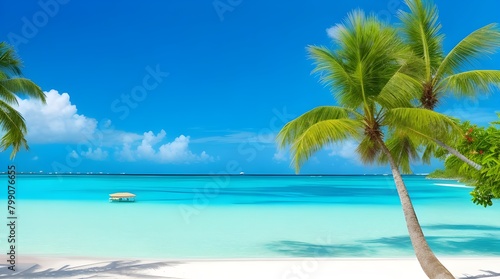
(369, 151)
(293, 129)
(484, 41)
(7, 96)
(9, 63)
(327, 62)
(400, 91)
(470, 83)
(427, 122)
(320, 134)
(23, 86)
(366, 55)
(430, 151)
(12, 123)
(404, 150)
(421, 31)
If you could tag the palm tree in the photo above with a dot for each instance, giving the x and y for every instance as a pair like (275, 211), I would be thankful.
(442, 74)
(11, 85)
(365, 70)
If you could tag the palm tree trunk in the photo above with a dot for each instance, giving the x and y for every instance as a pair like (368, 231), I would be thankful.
(432, 267)
(458, 154)
(451, 150)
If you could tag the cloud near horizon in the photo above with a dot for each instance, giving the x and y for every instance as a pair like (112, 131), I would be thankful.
(346, 150)
(176, 151)
(58, 122)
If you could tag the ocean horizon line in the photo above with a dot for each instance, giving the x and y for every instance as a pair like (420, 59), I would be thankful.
(200, 174)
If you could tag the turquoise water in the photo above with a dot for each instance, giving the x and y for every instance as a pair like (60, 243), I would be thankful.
(245, 216)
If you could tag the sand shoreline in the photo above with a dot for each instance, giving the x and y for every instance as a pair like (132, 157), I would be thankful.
(276, 268)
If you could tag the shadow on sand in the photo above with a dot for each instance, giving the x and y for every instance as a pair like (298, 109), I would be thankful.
(485, 244)
(108, 269)
(489, 274)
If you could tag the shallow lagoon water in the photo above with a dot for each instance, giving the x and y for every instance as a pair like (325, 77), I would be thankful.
(245, 217)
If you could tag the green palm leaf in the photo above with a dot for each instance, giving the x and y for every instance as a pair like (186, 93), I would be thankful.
(400, 91)
(403, 148)
(23, 86)
(427, 122)
(479, 43)
(470, 83)
(12, 124)
(367, 54)
(320, 134)
(327, 62)
(293, 129)
(8, 96)
(430, 151)
(369, 151)
(421, 30)
(8, 61)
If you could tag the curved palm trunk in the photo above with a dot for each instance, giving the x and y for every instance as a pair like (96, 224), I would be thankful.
(432, 267)
(459, 155)
(453, 151)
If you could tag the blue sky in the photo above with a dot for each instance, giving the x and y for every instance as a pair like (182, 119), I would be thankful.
(191, 87)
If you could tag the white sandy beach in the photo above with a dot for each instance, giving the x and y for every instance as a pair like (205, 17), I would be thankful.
(297, 268)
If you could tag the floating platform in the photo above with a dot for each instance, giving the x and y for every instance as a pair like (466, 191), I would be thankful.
(122, 197)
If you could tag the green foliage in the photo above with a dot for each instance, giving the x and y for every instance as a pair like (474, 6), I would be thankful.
(367, 54)
(481, 145)
(441, 74)
(481, 42)
(421, 30)
(445, 174)
(316, 128)
(12, 124)
(363, 69)
(387, 87)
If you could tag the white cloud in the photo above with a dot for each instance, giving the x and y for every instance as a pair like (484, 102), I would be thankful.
(346, 150)
(57, 121)
(145, 150)
(480, 116)
(334, 31)
(98, 154)
(176, 151)
(280, 156)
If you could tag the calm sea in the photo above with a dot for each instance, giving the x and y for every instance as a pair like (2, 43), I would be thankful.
(244, 217)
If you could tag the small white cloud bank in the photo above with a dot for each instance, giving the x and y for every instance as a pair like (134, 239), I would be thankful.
(55, 122)
(151, 148)
(280, 156)
(335, 31)
(345, 150)
(95, 154)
